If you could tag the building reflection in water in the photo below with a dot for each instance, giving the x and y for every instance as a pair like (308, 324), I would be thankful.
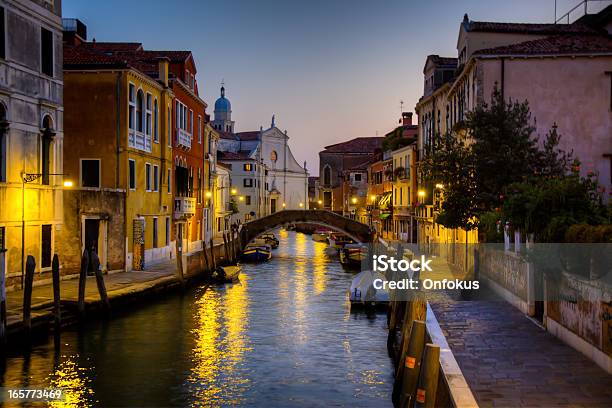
(220, 344)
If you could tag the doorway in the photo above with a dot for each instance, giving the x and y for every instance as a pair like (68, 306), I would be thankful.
(273, 206)
(90, 240)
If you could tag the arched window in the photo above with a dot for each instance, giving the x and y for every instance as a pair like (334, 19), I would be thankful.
(140, 111)
(155, 121)
(3, 152)
(46, 139)
(327, 176)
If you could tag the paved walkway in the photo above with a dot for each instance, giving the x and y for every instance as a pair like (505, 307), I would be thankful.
(116, 284)
(509, 361)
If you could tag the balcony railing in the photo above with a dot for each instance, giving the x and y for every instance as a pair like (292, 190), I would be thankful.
(184, 138)
(184, 207)
(139, 140)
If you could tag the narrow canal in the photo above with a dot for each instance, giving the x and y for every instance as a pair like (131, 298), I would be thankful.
(283, 336)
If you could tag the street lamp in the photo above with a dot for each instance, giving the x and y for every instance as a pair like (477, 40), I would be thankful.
(241, 198)
(320, 202)
(233, 191)
(27, 178)
(301, 204)
(372, 198)
(208, 194)
(439, 186)
(354, 200)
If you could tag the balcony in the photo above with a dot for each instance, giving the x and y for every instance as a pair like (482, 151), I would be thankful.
(184, 207)
(183, 138)
(138, 140)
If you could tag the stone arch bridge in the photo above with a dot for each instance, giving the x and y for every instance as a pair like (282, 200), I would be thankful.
(356, 230)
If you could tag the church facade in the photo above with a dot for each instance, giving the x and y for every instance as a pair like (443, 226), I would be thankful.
(265, 175)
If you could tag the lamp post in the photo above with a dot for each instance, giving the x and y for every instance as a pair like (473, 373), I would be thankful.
(27, 178)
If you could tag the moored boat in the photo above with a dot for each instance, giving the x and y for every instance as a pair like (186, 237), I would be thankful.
(352, 255)
(226, 274)
(270, 239)
(338, 240)
(320, 236)
(257, 253)
(363, 293)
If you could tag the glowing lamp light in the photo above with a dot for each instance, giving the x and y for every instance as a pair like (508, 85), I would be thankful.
(234, 191)
(208, 194)
(439, 186)
(373, 197)
(68, 183)
(301, 204)
(354, 200)
(241, 198)
(320, 202)
(284, 205)
(421, 193)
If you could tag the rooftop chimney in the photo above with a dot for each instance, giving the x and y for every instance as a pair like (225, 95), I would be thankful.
(407, 118)
(163, 66)
(75, 32)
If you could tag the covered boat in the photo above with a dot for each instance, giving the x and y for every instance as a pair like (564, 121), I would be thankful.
(338, 240)
(362, 292)
(226, 274)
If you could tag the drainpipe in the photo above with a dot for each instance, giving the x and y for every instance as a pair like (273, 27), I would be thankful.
(118, 168)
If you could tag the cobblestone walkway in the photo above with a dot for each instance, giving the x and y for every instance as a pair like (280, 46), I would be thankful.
(509, 361)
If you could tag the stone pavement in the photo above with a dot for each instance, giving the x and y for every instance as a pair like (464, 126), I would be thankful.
(509, 361)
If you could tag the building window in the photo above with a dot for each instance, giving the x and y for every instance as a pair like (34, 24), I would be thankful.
(3, 143)
(2, 240)
(199, 129)
(190, 121)
(148, 176)
(169, 181)
(327, 176)
(357, 177)
(199, 186)
(90, 173)
(248, 182)
(148, 113)
(169, 125)
(132, 174)
(46, 51)
(2, 35)
(132, 106)
(248, 167)
(154, 232)
(155, 122)
(182, 116)
(46, 246)
(167, 231)
(140, 111)
(155, 178)
(247, 200)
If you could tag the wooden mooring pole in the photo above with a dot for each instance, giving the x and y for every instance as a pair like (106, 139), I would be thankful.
(27, 294)
(206, 256)
(412, 363)
(83, 282)
(428, 380)
(226, 248)
(212, 255)
(55, 272)
(100, 281)
(179, 262)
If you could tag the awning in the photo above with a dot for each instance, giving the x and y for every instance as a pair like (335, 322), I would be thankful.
(384, 216)
(385, 199)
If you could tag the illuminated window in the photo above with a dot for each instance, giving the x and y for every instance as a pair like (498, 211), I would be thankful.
(248, 167)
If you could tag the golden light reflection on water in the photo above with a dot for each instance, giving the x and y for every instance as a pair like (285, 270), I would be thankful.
(74, 381)
(319, 265)
(301, 282)
(220, 333)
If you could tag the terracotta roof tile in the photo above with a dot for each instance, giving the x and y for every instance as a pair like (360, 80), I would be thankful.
(528, 28)
(556, 45)
(357, 145)
(221, 155)
(251, 135)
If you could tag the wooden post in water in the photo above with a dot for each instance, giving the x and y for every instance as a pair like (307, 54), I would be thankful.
(179, 262)
(205, 256)
(100, 281)
(225, 247)
(412, 363)
(55, 272)
(428, 380)
(2, 298)
(83, 282)
(234, 252)
(27, 294)
(212, 255)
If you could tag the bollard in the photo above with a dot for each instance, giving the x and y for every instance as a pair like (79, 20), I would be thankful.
(412, 363)
(212, 254)
(100, 281)
(27, 294)
(55, 272)
(2, 298)
(179, 262)
(428, 380)
(82, 282)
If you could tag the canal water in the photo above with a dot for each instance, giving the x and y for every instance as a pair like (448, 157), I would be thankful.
(283, 336)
